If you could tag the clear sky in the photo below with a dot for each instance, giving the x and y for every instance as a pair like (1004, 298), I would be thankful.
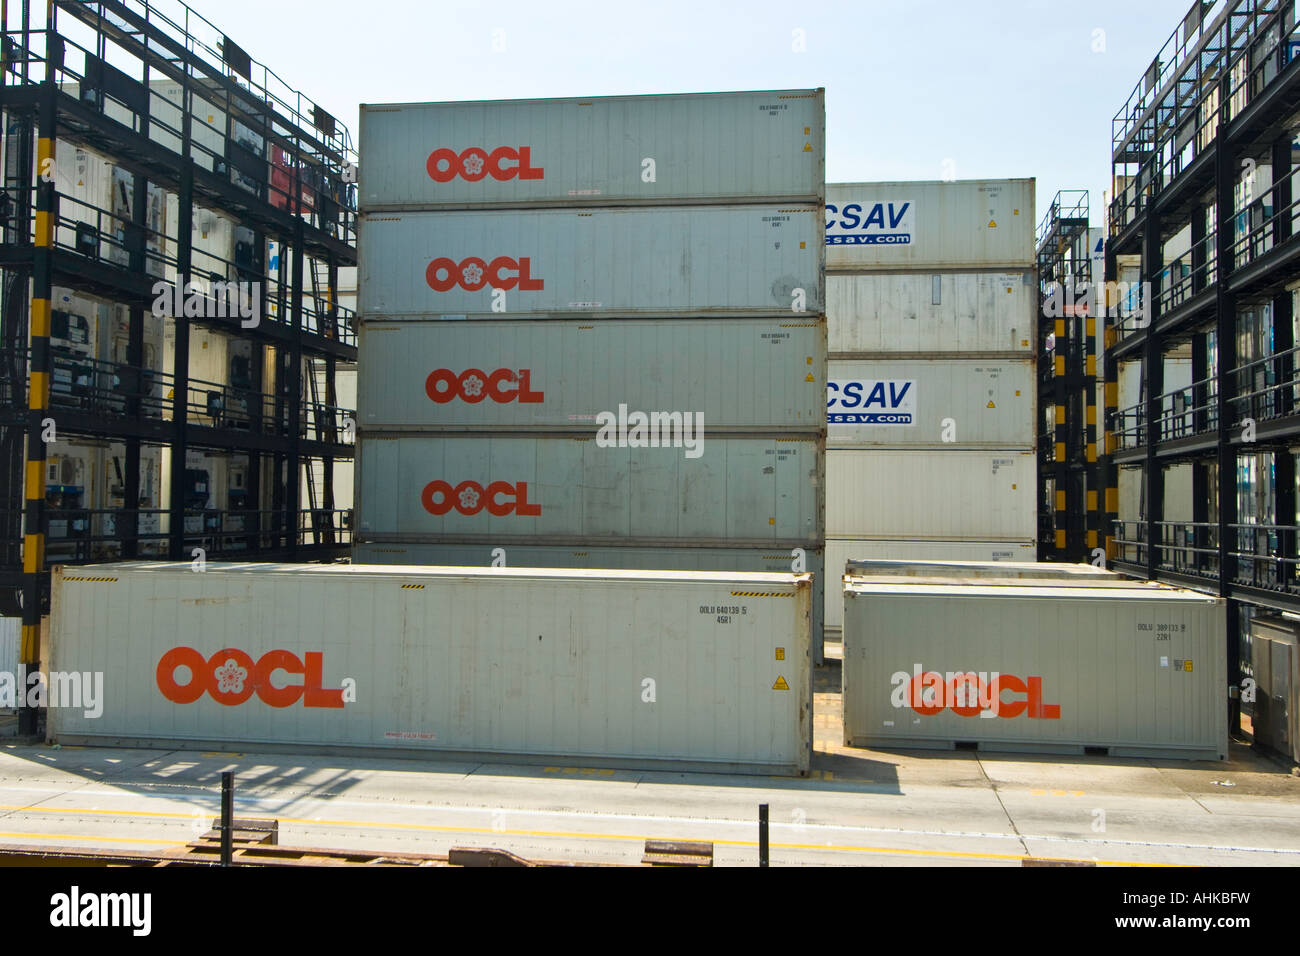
(1000, 88)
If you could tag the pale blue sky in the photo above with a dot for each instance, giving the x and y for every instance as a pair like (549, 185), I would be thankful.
(1005, 88)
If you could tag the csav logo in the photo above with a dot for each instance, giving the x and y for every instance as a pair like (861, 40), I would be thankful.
(882, 223)
(231, 677)
(870, 402)
(469, 498)
(472, 274)
(970, 694)
(474, 164)
(473, 385)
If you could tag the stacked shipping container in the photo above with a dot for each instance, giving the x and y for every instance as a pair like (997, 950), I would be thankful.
(593, 333)
(930, 398)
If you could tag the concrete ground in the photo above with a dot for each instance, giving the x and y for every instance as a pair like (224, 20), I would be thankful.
(859, 807)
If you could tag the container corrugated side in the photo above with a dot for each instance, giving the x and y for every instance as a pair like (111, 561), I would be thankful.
(840, 551)
(503, 662)
(11, 629)
(604, 150)
(928, 315)
(537, 263)
(931, 403)
(739, 373)
(739, 492)
(966, 224)
(1140, 672)
(925, 495)
(801, 560)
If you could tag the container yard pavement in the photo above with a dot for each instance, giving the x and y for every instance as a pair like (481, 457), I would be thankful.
(859, 807)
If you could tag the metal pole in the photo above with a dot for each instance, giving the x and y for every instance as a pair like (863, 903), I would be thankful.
(227, 816)
(762, 834)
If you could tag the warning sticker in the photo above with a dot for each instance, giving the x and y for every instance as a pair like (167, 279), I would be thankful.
(780, 684)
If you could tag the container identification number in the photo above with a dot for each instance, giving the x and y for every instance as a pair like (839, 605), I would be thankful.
(724, 612)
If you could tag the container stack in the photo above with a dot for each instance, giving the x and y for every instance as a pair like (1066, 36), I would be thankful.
(593, 334)
(931, 387)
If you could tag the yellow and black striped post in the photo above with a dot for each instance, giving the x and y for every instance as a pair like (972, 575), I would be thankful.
(1090, 431)
(38, 400)
(1110, 408)
(1061, 439)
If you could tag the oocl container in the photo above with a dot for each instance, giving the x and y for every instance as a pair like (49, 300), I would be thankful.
(595, 150)
(738, 492)
(927, 495)
(930, 403)
(841, 551)
(638, 668)
(931, 314)
(1048, 669)
(966, 224)
(534, 263)
(752, 374)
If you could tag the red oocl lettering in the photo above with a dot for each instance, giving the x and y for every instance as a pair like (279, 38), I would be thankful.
(472, 274)
(470, 497)
(473, 385)
(231, 677)
(476, 163)
(971, 693)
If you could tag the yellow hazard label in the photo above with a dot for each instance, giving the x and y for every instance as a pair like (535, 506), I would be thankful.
(803, 245)
(992, 224)
(1015, 212)
(1187, 665)
(780, 653)
(807, 147)
(990, 404)
(807, 130)
(780, 684)
(809, 377)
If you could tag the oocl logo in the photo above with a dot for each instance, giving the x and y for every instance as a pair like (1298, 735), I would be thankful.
(474, 164)
(473, 274)
(970, 694)
(473, 385)
(231, 677)
(469, 498)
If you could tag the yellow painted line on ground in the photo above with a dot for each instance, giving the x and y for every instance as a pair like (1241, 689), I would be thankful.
(566, 834)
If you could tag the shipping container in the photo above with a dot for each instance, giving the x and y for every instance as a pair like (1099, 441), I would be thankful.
(931, 403)
(11, 631)
(741, 492)
(755, 374)
(792, 560)
(923, 315)
(840, 551)
(987, 572)
(635, 668)
(1275, 668)
(538, 263)
(928, 495)
(899, 227)
(604, 150)
(1125, 672)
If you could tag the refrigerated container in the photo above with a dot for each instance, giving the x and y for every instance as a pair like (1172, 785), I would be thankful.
(927, 495)
(1117, 671)
(904, 226)
(752, 374)
(738, 492)
(941, 403)
(601, 150)
(931, 314)
(1275, 668)
(631, 668)
(537, 263)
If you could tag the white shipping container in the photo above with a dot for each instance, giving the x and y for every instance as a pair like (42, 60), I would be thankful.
(739, 373)
(922, 314)
(926, 495)
(931, 403)
(896, 227)
(739, 492)
(11, 633)
(840, 551)
(501, 662)
(604, 150)
(1135, 672)
(671, 262)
